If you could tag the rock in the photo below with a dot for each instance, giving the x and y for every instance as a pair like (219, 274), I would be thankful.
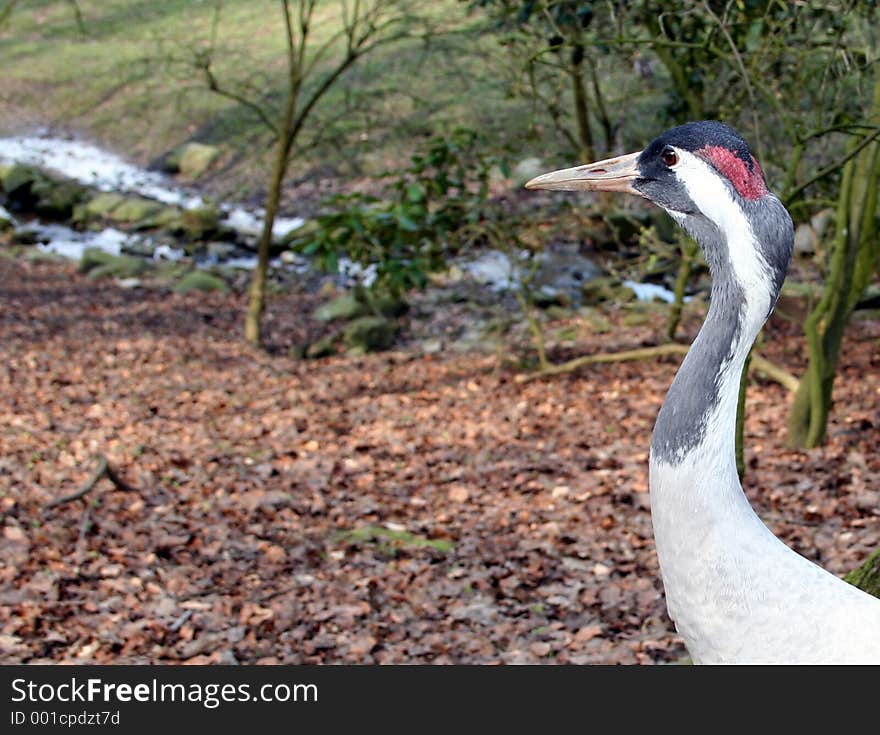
(93, 258)
(129, 283)
(99, 207)
(25, 236)
(200, 281)
(344, 307)
(100, 264)
(200, 222)
(57, 199)
(564, 269)
(547, 296)
(323, 347)
(432, 346)
(369, 334)
(191, 160)
(135, 210)
(386, 304)
(143, 247)
(18, 179)
(167, 218)
(7, 222)
(122, 266)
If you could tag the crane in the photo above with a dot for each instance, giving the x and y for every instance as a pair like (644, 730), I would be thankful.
(736, 593)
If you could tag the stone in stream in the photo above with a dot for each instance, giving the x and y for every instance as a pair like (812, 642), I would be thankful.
(191, 160)
(18, 179)
(136, 210)
(98, 207)
(99, 264)
(57, 199)
(200, 223)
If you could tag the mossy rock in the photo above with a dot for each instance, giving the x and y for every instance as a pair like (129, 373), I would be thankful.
(167, 218)
(57, 199)
(191, 160)
(323, 347)
(385, 304)
(98, 207)
(342, 308)
(170, 272)
(93, 258)
(369, 334)
(25, 237)
(199, 223)
(134, 210)
(100, 264)
(19, 178)
(201, 281)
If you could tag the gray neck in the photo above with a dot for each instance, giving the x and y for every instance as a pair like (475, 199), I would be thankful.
(711, 369)
(703, 397)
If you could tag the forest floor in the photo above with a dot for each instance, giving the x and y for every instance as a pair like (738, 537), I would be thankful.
(391, 508)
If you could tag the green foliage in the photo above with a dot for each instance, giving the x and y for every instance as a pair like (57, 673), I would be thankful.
(410, 234)
(390, 542)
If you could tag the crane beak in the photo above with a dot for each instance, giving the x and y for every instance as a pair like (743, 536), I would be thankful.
(612, 174)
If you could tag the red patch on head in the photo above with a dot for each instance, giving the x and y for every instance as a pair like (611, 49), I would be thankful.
(747, 178)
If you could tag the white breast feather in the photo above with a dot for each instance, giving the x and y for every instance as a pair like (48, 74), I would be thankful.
(736, 593)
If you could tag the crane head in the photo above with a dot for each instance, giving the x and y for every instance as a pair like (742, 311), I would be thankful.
(705, 176)
(669, 168)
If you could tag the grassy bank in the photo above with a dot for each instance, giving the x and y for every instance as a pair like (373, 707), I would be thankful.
(125, 76)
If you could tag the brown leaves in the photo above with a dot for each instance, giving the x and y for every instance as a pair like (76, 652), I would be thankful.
(385, 509)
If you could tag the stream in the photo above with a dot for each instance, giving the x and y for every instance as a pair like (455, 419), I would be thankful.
(560, 269)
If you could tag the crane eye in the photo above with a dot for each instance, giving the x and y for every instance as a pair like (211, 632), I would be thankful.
(669, 157)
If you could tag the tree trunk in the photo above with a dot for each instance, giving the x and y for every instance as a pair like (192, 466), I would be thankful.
(853, 261)
(586, 149)
(287, 133)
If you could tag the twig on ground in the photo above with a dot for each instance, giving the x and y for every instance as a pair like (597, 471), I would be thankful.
(178, 624)
(102, 469)
(761, 364)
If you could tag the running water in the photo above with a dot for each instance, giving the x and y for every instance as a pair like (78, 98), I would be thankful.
(106, 171)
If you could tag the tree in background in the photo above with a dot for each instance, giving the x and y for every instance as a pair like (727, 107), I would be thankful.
(314, 64)
(551, 43)
(853, 262)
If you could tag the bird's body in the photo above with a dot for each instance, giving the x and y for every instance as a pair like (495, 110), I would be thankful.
(737, 594)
